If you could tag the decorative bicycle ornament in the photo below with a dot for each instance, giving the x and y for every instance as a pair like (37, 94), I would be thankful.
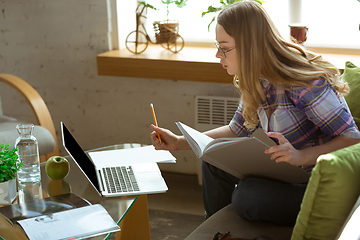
(166, 34)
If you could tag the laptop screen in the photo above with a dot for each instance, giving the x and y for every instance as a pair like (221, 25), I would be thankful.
(79, 156)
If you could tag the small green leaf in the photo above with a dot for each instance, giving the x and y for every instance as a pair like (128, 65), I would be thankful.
(147, 5)
(224, 4)
(212, 20)
(261, 1)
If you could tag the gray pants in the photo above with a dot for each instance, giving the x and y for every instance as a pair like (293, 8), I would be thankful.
(254, 199)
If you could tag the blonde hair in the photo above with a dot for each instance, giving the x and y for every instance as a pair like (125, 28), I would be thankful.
(263, 53)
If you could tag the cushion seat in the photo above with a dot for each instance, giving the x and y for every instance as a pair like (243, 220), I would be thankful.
(228, 220)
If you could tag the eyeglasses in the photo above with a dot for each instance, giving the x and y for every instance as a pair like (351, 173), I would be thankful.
(223, 51)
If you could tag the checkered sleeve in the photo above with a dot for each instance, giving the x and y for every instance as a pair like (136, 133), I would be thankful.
(324, 108)
(237, 123)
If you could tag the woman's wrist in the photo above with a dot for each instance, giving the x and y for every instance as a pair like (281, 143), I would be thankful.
(182, 144)
(307, 157)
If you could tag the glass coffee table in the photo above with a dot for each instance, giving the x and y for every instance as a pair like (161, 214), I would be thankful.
(130, 212)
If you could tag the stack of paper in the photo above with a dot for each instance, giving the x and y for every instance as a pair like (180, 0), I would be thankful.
(131, 156)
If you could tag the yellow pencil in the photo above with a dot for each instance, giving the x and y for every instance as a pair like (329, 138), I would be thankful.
(153, 113)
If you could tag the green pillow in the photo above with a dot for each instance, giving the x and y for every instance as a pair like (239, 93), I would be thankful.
(331, 193)
(352, 77)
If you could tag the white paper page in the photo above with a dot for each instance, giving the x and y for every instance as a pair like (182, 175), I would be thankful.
(223, 142)
(201, 140)
(259, 134)
(75, 223)
(131, 156)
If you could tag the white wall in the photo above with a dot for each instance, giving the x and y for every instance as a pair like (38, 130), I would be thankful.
(53, 45)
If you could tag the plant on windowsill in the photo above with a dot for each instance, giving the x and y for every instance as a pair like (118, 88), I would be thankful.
(167, 32)
(9, 166)
(178, 3)
(223, 4)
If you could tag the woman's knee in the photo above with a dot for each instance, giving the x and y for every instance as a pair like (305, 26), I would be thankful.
(264, 200)
(247, 199)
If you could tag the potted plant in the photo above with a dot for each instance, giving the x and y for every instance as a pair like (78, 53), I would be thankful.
(167, 32)
(223, 4)
(9, 166)
(178, 3)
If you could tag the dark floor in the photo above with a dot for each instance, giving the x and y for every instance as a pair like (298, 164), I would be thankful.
(176, 213)
(172, 225)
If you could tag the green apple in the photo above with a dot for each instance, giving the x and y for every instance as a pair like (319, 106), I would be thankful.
(57, 167)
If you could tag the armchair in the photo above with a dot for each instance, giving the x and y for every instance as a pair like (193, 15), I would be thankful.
(44, 131)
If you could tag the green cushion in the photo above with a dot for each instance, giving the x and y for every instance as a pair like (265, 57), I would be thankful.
(352, 77)
(331, 193)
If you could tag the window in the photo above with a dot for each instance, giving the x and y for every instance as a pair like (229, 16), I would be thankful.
(331, 23)
(126, 19)
(192, 27)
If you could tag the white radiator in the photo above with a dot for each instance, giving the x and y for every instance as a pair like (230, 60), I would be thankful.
(212, 112)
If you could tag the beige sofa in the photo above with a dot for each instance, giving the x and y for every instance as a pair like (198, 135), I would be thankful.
(227, 220)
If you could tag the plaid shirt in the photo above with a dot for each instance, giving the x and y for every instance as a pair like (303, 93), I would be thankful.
(305, 116)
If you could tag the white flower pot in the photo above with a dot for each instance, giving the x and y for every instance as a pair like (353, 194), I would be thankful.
(8, 191)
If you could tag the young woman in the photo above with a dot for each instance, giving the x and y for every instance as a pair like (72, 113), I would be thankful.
(293, 94)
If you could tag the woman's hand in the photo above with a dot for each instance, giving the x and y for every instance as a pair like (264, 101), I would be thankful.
(169, 141)
(285, 152)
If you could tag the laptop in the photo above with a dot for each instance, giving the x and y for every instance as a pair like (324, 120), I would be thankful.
(111, 180)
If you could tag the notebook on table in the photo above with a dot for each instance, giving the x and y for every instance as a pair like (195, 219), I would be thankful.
(112, 180)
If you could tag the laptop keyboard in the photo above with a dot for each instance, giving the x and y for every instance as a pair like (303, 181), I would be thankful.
(120, 179)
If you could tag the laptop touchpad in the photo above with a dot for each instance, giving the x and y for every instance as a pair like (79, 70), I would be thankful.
(146, 167)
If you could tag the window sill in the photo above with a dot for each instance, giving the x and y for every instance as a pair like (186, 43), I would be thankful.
(190, 64)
